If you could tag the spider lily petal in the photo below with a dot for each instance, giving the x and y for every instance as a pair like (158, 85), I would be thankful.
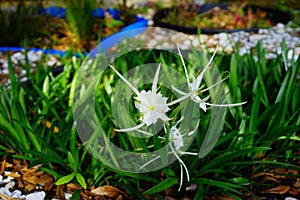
(155, 80)
(199, 78)
(182, 60)
(186, 96)
(125, 81)
(184, 166)
(150, 161)
(217, 83)
(130, 129)
(226, 105)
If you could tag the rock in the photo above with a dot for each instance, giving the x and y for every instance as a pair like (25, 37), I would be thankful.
(211, 42)
(36, 196)
(270, 56)
(263, 31)
(223, 36)
(203, 38)
(18, 57)
(243, 51)
(280, 26)
(290, 54)
(150, 23)
(17, 194)
(5, 191)
(32, 57)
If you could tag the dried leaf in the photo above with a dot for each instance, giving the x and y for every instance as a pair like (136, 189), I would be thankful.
(108, 191)
(48, 182)
(16, 162)
(297, 184)
(60, 192)
(14, 175)
(5, 197)
(32, 179)
(281, 189)
(261, 174)
(71, 187)
(8, 165)
(29, 187)
(269, 178)
(293, 171)
(294, 192)
(3, 164)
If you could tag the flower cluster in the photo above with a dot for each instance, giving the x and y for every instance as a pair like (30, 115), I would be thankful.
(153, 106)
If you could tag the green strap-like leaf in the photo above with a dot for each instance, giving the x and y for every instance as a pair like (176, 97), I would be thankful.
(65, 179)
(161, 186)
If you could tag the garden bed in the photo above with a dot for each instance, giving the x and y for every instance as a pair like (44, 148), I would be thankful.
(44, 156)
(57, 33)
(217, 18)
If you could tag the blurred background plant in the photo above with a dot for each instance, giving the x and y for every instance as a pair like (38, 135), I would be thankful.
(80, 22)
(80, 30)
(16, 19)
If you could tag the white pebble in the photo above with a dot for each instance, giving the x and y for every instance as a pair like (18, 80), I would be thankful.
(4, 71)
(16, 194)
(150, 23)
(195, 43)
(159, 37)
(270, 56)
(51, 62)
(10, 184)
(23, 72)
(211, 50)
(203, 38)
(263, 31)
(24, 79)
(243, 51)
(212, 42)
(290, 54)
(187, 43)
(5, 191)
(256, 37)
(222, 36)
(152, 43)
(281, 31)
(36, 196)
(68, 195)
(18, 57)
(32, 57)
(8, 179)
(280, 26)
(166, 45)
(228, 49)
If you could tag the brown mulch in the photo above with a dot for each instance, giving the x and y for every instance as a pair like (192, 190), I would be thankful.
(273, 184)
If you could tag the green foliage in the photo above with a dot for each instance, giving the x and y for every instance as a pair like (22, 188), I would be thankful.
(267, 126)
(16, 21)
(80, 19)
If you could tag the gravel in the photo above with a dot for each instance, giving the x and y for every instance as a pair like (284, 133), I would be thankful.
(226, 42)
(18, 59)
(7, 185)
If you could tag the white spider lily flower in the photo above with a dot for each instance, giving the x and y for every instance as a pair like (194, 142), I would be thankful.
(176, 143)
(194, 87)
(177, 139)
(152, 105)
